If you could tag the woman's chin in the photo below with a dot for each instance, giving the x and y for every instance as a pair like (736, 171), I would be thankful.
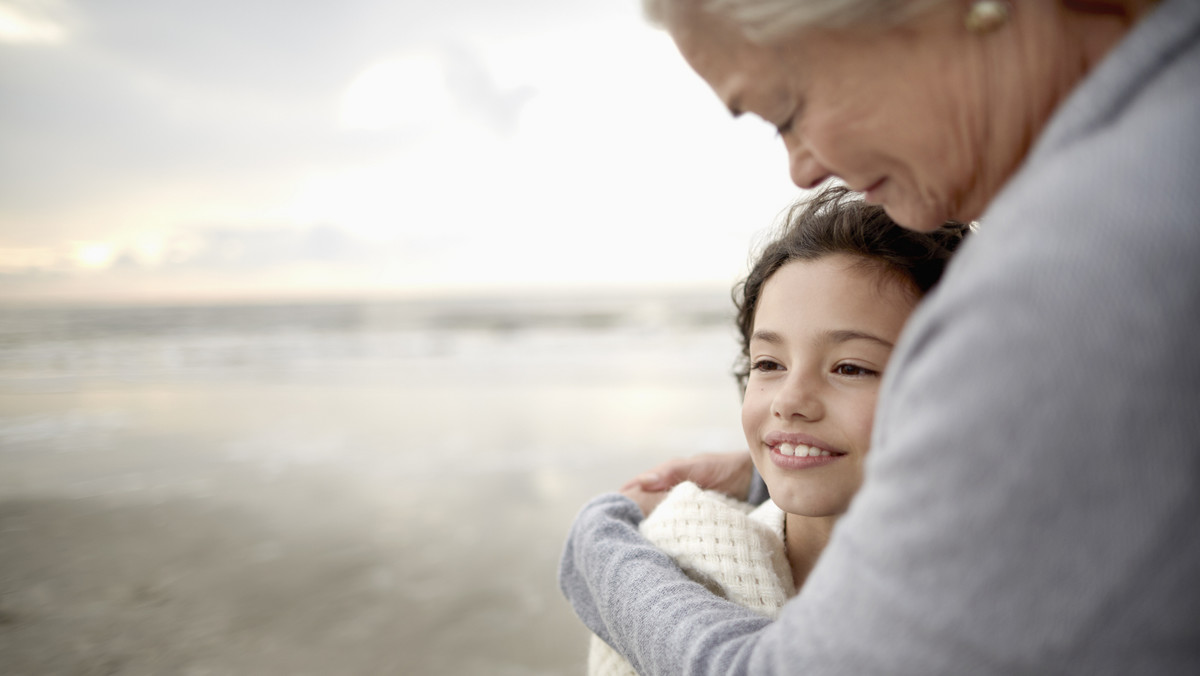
(918, 219)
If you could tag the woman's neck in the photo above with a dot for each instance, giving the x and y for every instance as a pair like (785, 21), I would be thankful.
(806, 537)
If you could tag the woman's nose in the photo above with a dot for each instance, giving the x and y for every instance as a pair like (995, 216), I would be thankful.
(797, 397)
(806, 171)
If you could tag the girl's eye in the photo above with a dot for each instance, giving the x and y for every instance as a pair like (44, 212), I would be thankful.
(766, 365)
(854, 371)
(784, 128)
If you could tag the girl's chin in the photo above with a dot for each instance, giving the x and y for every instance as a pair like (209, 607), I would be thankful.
(813, 513)
(814, 509)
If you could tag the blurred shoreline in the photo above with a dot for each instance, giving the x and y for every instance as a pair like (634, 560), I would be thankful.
(37, 320)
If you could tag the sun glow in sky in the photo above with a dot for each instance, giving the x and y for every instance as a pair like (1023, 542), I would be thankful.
(155, 151)
(19, 25)
(407, 91)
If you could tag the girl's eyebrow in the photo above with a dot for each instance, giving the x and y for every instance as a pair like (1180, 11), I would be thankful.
(767, 337)
(833, 336)
(846, 335)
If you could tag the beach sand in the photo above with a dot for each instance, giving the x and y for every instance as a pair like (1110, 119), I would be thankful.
(336, 516)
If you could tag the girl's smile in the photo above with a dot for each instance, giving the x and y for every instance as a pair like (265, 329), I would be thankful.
(800, 451)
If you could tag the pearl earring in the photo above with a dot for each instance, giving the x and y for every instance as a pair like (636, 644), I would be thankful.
(986, 16)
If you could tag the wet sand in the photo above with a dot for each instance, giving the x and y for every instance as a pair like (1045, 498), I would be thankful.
(362, 517)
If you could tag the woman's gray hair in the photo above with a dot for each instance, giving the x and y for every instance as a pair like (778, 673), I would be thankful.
(768, 20)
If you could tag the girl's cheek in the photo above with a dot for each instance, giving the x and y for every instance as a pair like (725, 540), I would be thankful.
(865, 421)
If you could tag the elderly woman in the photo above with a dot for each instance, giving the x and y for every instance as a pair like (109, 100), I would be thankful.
(1032, 493)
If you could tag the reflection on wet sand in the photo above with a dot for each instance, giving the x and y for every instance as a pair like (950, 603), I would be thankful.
(354, 500)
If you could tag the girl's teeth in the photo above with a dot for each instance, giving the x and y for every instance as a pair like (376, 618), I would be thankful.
(802, 451)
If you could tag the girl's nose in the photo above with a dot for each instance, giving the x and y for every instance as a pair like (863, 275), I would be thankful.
(797, 397)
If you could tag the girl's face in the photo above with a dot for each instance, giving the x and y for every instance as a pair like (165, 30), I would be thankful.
(823, 332)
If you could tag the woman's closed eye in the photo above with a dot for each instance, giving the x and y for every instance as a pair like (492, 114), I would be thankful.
(784, 128)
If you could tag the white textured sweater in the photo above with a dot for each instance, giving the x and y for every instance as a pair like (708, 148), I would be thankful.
(735, 550)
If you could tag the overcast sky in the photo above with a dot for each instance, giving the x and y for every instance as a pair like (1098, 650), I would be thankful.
(172, 149)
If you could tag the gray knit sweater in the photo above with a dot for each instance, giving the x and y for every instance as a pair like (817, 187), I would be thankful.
(735, 550)
(1032, 499)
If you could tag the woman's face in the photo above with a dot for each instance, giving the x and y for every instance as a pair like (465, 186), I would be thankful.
(823, 332)
(896, 114)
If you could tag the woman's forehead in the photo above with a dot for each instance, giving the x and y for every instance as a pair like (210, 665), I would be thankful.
(731, 65)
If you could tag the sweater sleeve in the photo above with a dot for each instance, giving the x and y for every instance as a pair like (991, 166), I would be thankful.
(733, 550)
(635, 598)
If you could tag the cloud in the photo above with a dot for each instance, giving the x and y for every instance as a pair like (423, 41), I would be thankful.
(368, 143)
(231, 249)
(423, 90)
(475, 90)
(31, 23)
(405, 92)
(18, 259)
(216, 249)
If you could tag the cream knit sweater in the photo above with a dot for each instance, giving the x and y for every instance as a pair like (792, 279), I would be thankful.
(734, 549)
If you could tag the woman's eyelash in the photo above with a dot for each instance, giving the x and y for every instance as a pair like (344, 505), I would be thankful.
(797, 113)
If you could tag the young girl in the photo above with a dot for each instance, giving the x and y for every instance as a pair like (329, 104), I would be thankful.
(819, 313)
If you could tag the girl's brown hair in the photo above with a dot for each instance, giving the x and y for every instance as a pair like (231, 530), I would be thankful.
(836, 221)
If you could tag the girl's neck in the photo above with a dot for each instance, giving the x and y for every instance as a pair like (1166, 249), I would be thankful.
(806, 537)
